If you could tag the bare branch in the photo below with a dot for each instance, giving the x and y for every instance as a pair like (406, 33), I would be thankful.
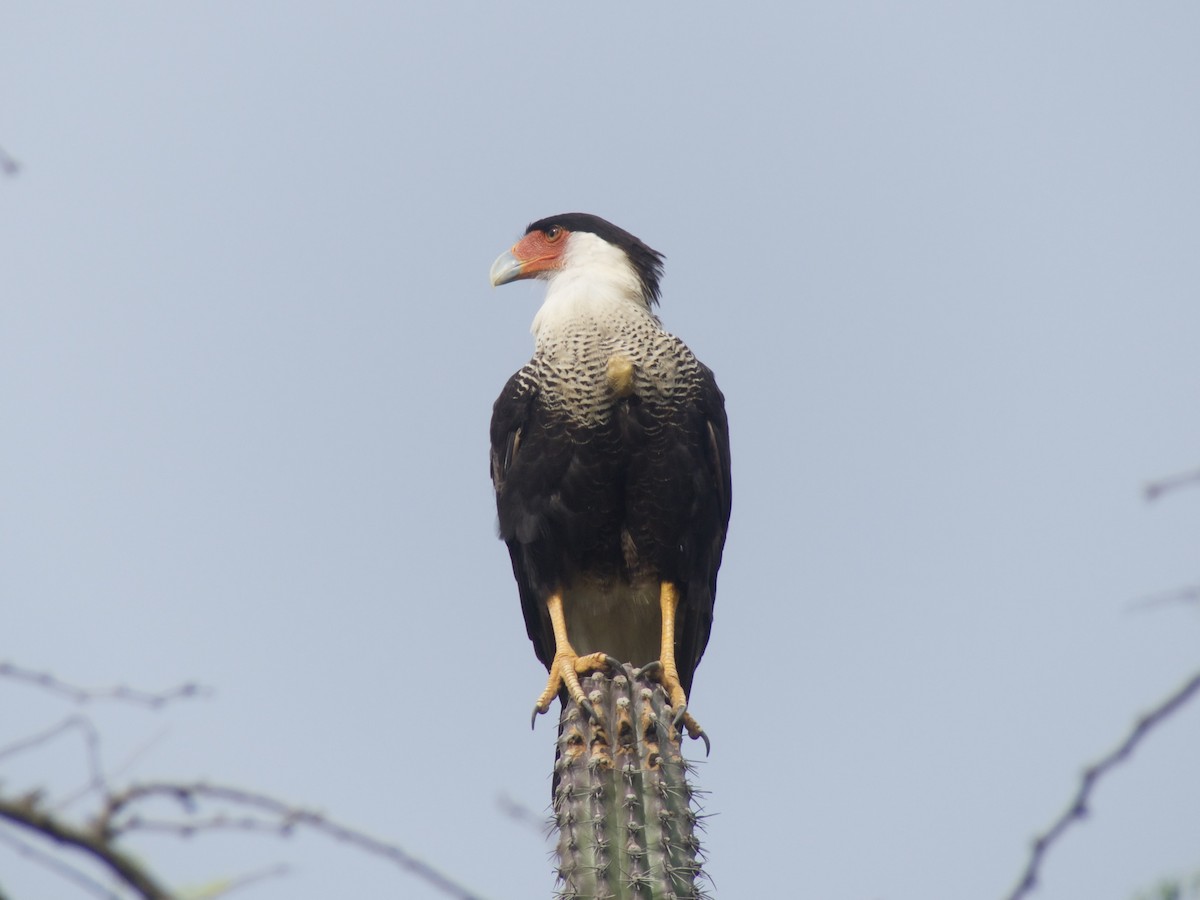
(8, 165)
(1156, 489)
(118, 817)
(102, 777)
(189, 828)
(236, 884)
(119, 692)
(525, 816)
(203, 807)
(1190, 594)
(1077, 809)
(91, 739)
(56, 865)
(97, 780)
(27, 812)
(238, 810)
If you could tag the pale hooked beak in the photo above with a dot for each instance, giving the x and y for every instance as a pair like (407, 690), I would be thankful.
(506, 268)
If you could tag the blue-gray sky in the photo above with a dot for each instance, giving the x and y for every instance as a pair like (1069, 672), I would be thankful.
(942, 257)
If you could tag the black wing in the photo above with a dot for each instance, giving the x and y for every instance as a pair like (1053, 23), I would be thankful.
(705, 539)
(519, 462)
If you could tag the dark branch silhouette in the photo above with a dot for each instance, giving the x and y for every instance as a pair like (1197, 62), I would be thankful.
(53, 863)
(235, 809)
(120, 692)
(1189, 594)
(29, 813)
(1077, 809)
(36, 825)
(70, 723)
(524, 816)
(1156, 489)
(8, 165)
(243, 810)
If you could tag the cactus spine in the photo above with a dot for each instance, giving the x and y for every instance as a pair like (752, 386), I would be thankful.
(622, 803)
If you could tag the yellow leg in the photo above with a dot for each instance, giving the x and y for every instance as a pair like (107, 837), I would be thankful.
(668, 599)
(567, 665)
(668, 673)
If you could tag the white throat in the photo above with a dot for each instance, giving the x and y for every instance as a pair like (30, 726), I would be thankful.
(596, 283)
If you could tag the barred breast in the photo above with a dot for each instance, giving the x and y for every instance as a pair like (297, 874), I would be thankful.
(582, 372)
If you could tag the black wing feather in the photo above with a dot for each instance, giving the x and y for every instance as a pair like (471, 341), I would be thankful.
(513, 464)
(705, 541)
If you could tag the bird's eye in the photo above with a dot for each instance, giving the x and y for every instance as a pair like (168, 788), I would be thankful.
(554, 232)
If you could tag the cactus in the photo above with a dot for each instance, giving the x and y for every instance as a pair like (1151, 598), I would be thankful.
(623, 807)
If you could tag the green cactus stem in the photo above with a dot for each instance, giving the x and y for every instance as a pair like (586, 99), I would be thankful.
(626, 815)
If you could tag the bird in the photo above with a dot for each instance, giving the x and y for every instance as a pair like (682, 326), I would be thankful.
(611, 468)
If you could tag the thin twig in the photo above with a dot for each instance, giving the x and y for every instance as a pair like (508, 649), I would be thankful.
(91, 739)
(1156, 489)
(241, 881)
(188, 828)
(1077, 809)
(119, 692)
(1189, 594)
(42, 737)
(8, 165)
(105, 775)
(116, 818)
(523, 815)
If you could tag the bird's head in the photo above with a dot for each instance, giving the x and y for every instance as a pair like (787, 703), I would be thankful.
(586, 246)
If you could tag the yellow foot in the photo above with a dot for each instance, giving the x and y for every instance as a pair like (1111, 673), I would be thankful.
(679, 712)
(565, 670)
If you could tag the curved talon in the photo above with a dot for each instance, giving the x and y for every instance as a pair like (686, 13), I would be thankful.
(695, 732)
(678, 715)
(567, 665)
(665, 674)
(565, 670)
(683, 719)
(588, 710)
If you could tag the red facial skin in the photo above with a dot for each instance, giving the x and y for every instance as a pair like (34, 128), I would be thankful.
(541, 251)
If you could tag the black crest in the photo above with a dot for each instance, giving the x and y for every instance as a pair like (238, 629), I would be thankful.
(646, 261)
